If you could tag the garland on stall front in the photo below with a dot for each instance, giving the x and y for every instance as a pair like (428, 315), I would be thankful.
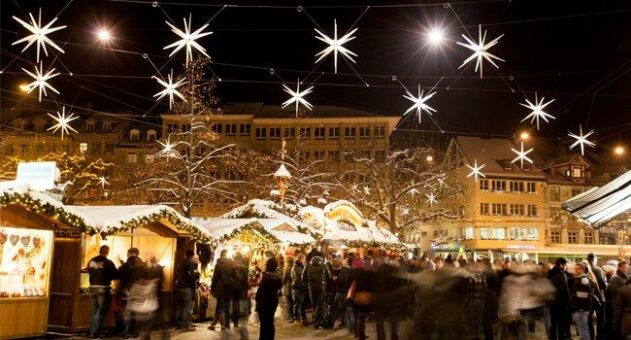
(45, 208)
(258, 230)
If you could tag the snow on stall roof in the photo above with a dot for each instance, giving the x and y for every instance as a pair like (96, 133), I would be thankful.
(221, 227)
(282, 172)
(19, 187)
(331, 206)
(381, 235)
(264, 209)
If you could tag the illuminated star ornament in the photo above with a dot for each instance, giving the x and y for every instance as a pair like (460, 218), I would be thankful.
(170, 88)
(38, 34)
(188, 39)
(581, 139)
(476, 170)
(366, 190)
(41, 80)
(480, 50)
(336, 45)
(537, 110)
(103, 182)
(431, 199)
(522, 155)
(413, 192)
(168, 148)
(63, 122)
(419, 102)
(297, 97)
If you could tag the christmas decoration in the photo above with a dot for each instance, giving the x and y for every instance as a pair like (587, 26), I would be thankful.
(170, 88)
(335, 45)
(476, 170)
(480, 51)
(188, 39)
(63, 122)
(419, 102)
(522, 155)
(581, 139)
(431, 199)
(41, 80)
(537, 110)
(38, 34)
(297, 97)
(103, 182)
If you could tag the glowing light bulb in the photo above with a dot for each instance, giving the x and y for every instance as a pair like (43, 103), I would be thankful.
(619, 150)
(436, 36)
(524, 135)
(104, 35)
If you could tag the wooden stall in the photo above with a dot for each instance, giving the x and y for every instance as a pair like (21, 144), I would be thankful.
(154, 230)
(32, 226)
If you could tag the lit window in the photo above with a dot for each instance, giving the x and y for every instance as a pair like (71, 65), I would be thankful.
(149, 158)
(485, 233)
(132, 158)
(497, 185)
(577, 172)
(533, 234)
(468, 233)
(518, 234)
(484, 185)
(499, 233)
(531, 187)
(83, 147)
(484, 208)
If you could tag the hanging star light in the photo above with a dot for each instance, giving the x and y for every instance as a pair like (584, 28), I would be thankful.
(297, 97)
(335, 45)
(537, 110)
(38, 34)
(419, 102)
(168, 149)
(476, 170)
(103, 182)
(170, 88)
(413, 192)
(63, 122)
(366, 190)
(431, 199)
(522, 155)
(480, 51)
(41, 80)
(581, 139)
(406, 211)
(188, 39)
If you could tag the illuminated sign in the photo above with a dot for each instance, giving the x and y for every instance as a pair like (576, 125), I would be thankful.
(38, 175)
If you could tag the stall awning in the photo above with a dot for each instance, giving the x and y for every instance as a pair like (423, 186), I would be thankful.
(597, 206)
(277, 231)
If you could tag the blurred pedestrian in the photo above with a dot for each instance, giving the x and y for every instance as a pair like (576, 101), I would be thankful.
(617, 281)
(102, 272)
(221, 287)
(298, 290)
(582, 295)
(289, 264)
(267, 299)
(559, 306)
(186, 279)
(316, 276)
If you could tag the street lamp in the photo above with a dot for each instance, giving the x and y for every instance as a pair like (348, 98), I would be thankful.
(435, 36)
(524, 135)
(619, 150)
(24, 88)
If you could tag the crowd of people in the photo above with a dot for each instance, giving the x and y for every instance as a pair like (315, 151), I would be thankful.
(418, 298)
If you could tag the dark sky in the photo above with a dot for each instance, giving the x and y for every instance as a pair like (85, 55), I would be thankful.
(577, 52)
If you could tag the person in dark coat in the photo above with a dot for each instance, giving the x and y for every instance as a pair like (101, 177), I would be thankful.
(298, 290)
(102, 272)
(186, 279)
(599, 294)
(581, 298)
(267, 299)
(124, 277)
(559, 307)
(289, 264)
(316, 276)
(222, 287)
(240, 289)
(617, 281)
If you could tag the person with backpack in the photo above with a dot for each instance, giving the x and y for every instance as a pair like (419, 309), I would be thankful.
(222, 287)
(316, 276)
(102, 272)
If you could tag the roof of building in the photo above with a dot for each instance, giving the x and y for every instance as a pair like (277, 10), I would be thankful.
(492, 152)
(323, 111)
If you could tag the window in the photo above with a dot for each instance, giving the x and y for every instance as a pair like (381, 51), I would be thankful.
(532, 210)
(132, 158)
(485, 233)
(244, 129)
(517, 209)
(589, 237)
(109, 149)
(555, 194)
(572, 237)
(318, 155)
(172, 127)
(89, 126)
(304, 132)
(531, 187)
(334, 132)
(507, 164)
(499, 209)
(499, 233)
(484, 208)
(518, 234)
(318, 133)
(349, 132)
(555, 236)
(83, 147)
(484, 184)
(96, 148)
(364, 132)
(231, 129)
(497, 185)
(516, 186)
(261, 133)
(107, 126)
(134, 135)
(334, 156)
(151, 135)
(577, 172)
(380, 155)
(379, 131)
(532, 234)
(149, 158)
(576, 191)
(468, 233)
(289, 133)
(217, 128)
(349, 157)
(274, 133)
(606, 238)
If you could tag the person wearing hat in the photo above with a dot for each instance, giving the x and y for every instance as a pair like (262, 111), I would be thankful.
(582, 295)
(558, 307)
(267, 299)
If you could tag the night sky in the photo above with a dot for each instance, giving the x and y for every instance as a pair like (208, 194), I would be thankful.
(577, 52)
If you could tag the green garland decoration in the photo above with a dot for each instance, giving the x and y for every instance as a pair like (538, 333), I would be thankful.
(256, 228)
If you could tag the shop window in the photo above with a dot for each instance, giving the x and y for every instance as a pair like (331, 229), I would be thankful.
(572, 237)
(485, 233)
(334, 132)
(261, 133)
(318, 133)
(518, 234)
(532, 210)
(516, 186)
(499, 233)
(484, 208)
(231, 129)
(244, 129)
(484, 185)
(379, 131)
(533, 234)
(555, 236)
(349, 132)
(497, 185)
(468, 233)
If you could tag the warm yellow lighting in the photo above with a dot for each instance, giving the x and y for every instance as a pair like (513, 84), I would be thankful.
(429, 158)
(104, 35)
(245, 249)
(524, 135)
(618, 150)
(24, 87)
(435, 36)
